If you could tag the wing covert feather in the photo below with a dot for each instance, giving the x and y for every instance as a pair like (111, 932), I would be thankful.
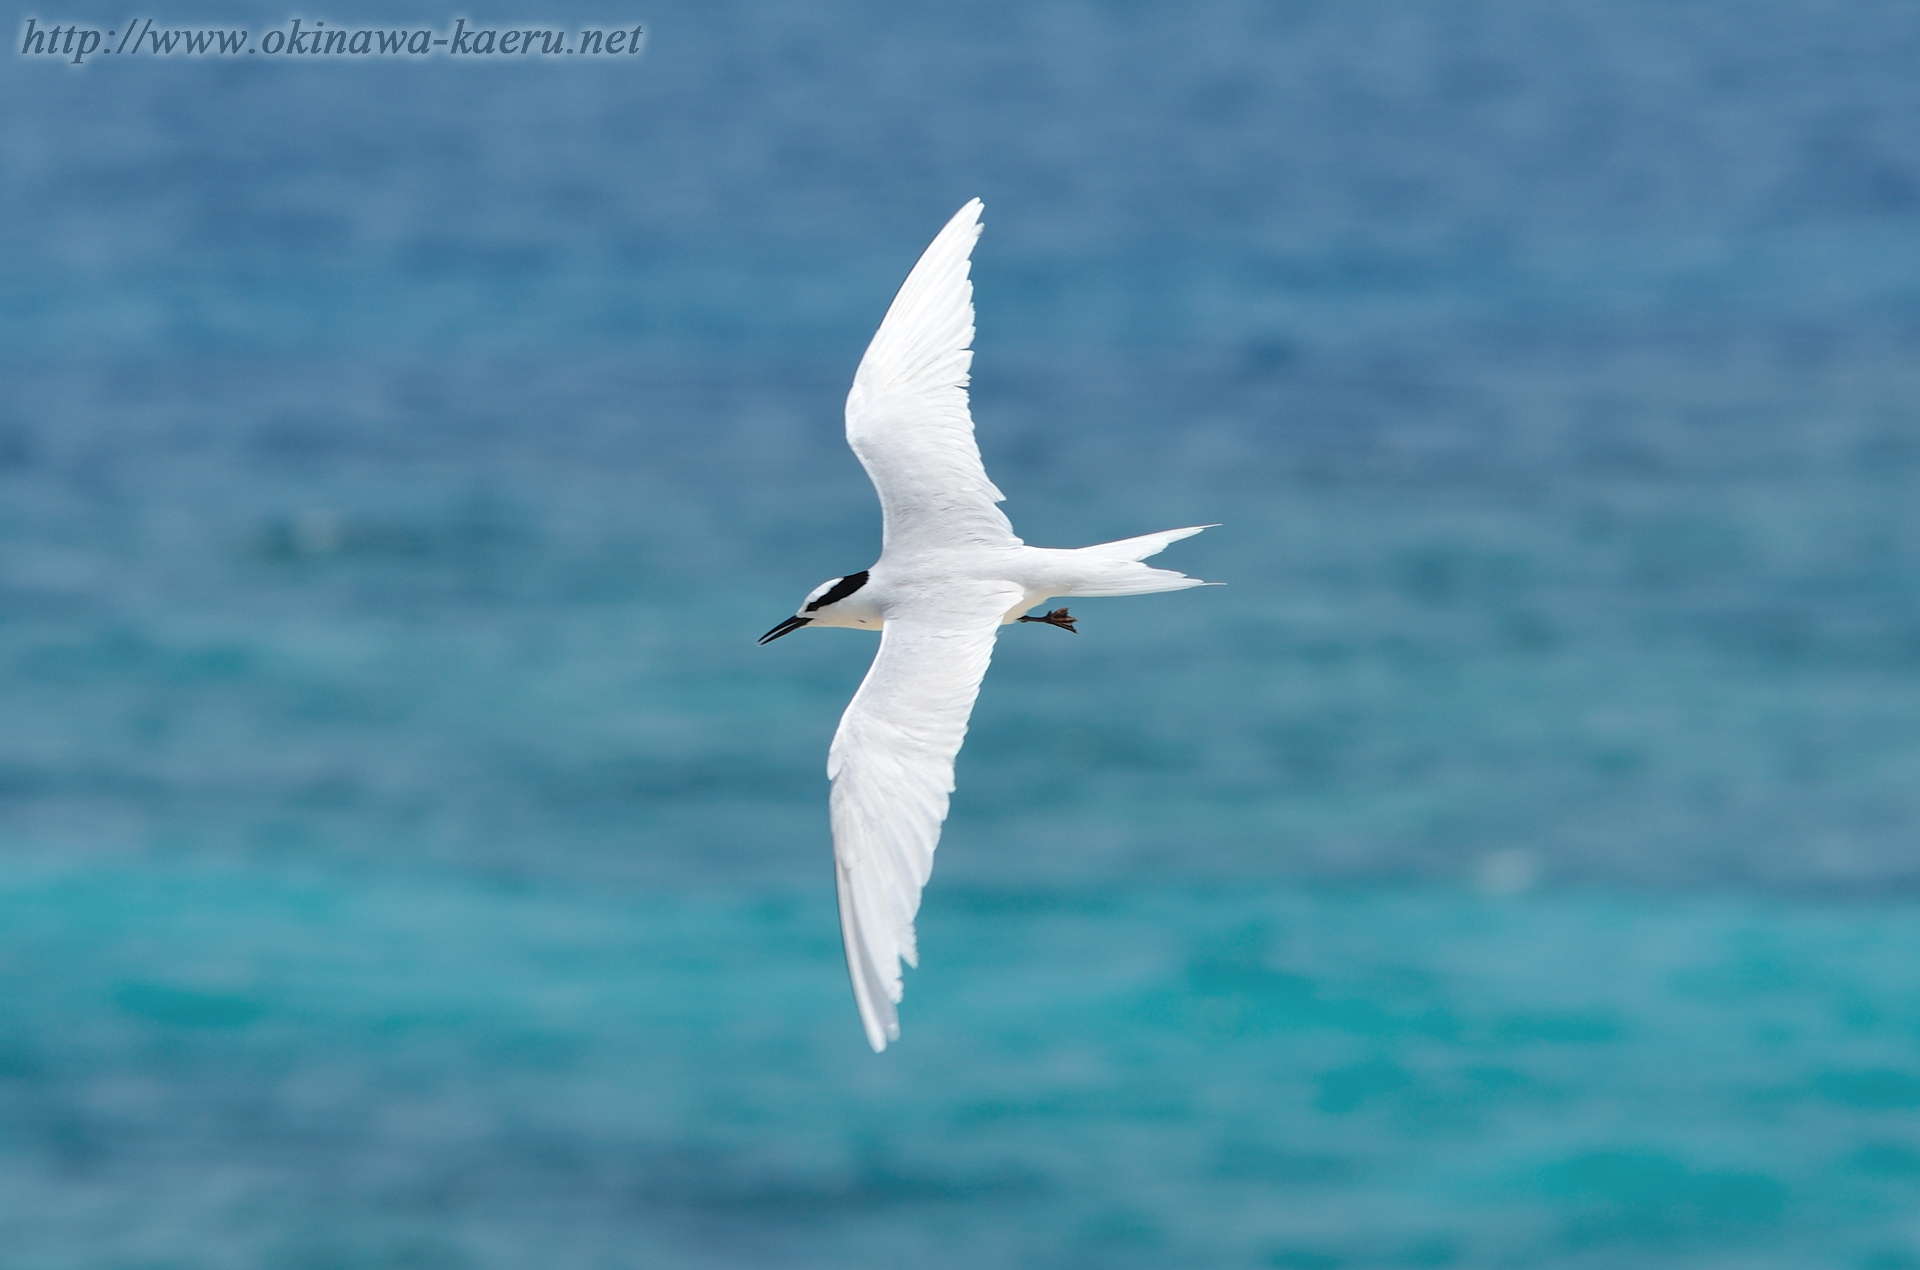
(907, 415)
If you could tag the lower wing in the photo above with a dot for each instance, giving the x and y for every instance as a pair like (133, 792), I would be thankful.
(892, 769)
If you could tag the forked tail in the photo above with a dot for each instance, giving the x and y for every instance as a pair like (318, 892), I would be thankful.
(1114, 568)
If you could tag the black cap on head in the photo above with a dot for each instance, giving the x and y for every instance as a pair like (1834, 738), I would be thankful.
(839, 590)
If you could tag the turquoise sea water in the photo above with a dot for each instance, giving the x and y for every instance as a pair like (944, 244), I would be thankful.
(407, 858)
(426, 1070)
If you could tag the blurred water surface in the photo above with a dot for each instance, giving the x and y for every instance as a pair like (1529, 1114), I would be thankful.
(409, 860)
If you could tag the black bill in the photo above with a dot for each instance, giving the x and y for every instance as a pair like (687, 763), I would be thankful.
(791, 624)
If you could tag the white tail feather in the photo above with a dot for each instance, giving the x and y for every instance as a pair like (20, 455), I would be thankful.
(1114, 568)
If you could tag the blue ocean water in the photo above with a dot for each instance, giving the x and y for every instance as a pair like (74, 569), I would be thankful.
(407, 859)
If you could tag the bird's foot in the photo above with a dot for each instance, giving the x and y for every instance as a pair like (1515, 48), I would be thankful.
(1056, 618)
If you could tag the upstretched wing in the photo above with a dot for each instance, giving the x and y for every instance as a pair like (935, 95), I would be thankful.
(892, 769)
(907, 417)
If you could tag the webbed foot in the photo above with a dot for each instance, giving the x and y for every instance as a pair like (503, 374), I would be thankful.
(1058, 618)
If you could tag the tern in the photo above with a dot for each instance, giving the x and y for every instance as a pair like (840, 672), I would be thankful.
(950, 575)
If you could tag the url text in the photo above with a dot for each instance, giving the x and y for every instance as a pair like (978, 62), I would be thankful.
(77, 43)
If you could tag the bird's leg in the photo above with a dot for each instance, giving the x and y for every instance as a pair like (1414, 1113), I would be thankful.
(1056, 618)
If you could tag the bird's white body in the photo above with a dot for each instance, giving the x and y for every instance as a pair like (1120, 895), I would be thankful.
(950, 574)
(1035, 574)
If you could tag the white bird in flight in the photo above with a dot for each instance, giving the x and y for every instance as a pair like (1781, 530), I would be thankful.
(950, 575)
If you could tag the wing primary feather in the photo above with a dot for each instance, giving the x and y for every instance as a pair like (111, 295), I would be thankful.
(877, 1015)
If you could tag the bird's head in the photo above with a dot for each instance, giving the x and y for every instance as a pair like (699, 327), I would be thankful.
(835, 602)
